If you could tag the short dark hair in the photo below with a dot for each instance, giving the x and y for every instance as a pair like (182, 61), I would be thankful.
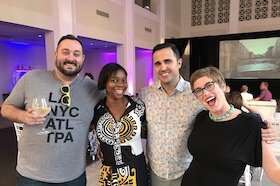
(107, 71)
(168, 45)
(244, 88)
(235, 99)
(265, 83)
(71, 37)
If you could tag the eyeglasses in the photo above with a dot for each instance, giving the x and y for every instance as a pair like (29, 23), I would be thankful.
(208, 86)
(66, 98)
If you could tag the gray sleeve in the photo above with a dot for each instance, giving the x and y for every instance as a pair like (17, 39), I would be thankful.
(17, 96)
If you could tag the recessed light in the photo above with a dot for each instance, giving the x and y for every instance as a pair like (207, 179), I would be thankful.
(39, 35)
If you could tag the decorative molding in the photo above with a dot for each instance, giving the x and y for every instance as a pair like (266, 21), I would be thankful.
(275, 8)
(245, 10)
(261, 9)
(196, 12)
(223, 11)
(209, 12)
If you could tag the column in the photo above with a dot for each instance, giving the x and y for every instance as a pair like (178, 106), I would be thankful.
(64, 25)
(126, 52)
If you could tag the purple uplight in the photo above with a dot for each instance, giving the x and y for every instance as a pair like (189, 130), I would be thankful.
(151, 81)
(144, 66)
(108, 57)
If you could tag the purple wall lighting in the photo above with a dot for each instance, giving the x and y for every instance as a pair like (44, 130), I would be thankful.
(144, 62)
(109, 57)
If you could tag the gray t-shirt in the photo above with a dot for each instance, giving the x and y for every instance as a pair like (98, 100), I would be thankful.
(57, 155)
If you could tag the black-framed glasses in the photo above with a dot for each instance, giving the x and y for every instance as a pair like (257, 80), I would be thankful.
(66, 98)
(208, 86)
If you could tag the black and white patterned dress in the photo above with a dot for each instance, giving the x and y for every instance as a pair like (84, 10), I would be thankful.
(120, 141)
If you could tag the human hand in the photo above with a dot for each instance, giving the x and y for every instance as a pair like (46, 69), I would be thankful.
(30, 118)
(269, 134)
(99, 153)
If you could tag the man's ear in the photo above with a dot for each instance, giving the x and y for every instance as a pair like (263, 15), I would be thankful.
(180, 62)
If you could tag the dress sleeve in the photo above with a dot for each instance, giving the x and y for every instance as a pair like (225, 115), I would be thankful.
(95, 118)
(144, 130)
(252, 151)
(140, 109)
(199, 119)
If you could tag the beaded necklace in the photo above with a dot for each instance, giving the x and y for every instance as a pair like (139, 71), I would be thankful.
(226, 115)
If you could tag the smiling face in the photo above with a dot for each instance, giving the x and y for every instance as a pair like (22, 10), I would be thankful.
(69, 57)
(214, 99)
(116, 85)
(208, 84)
(167, 66)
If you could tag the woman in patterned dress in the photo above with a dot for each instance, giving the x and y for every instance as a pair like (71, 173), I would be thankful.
(120, 124)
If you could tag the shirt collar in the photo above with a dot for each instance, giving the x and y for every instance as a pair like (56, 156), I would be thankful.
(179, 87)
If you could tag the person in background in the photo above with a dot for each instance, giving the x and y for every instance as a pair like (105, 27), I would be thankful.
(244, 93)
(171, 109)
(120, 124)
(224, 139)
(56, 155)
(265, 94)
(237, 101)
(88, 75)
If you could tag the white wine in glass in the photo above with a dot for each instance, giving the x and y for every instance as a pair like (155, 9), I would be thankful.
(40, 106)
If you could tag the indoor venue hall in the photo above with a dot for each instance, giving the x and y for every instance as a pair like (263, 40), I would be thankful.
(240, 37)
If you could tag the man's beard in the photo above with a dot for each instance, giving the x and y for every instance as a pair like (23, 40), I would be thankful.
(59, 66)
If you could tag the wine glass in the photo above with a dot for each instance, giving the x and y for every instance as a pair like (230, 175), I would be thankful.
(41, 108)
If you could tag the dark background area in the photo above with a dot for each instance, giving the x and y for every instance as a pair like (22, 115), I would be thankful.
(204, 51)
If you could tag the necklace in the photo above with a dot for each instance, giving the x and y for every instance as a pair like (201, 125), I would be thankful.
(226, 115)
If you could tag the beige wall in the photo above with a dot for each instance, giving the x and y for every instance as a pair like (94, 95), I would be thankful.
(89, 24)
(144, 65)
(34, 56)
(95, 60)
(146, 28)
(233, 26)
(172, 19)
(35, 13)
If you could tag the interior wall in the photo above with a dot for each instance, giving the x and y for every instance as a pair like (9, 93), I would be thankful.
(228, 17)
(172, 19)
(35, 13)
(101, 19)
(96, 59)
(15, 56)
(144, 69)
(146, 28)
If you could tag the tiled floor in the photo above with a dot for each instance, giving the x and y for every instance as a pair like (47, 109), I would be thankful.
(92, 173)
(93, 170)
(264, 182)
